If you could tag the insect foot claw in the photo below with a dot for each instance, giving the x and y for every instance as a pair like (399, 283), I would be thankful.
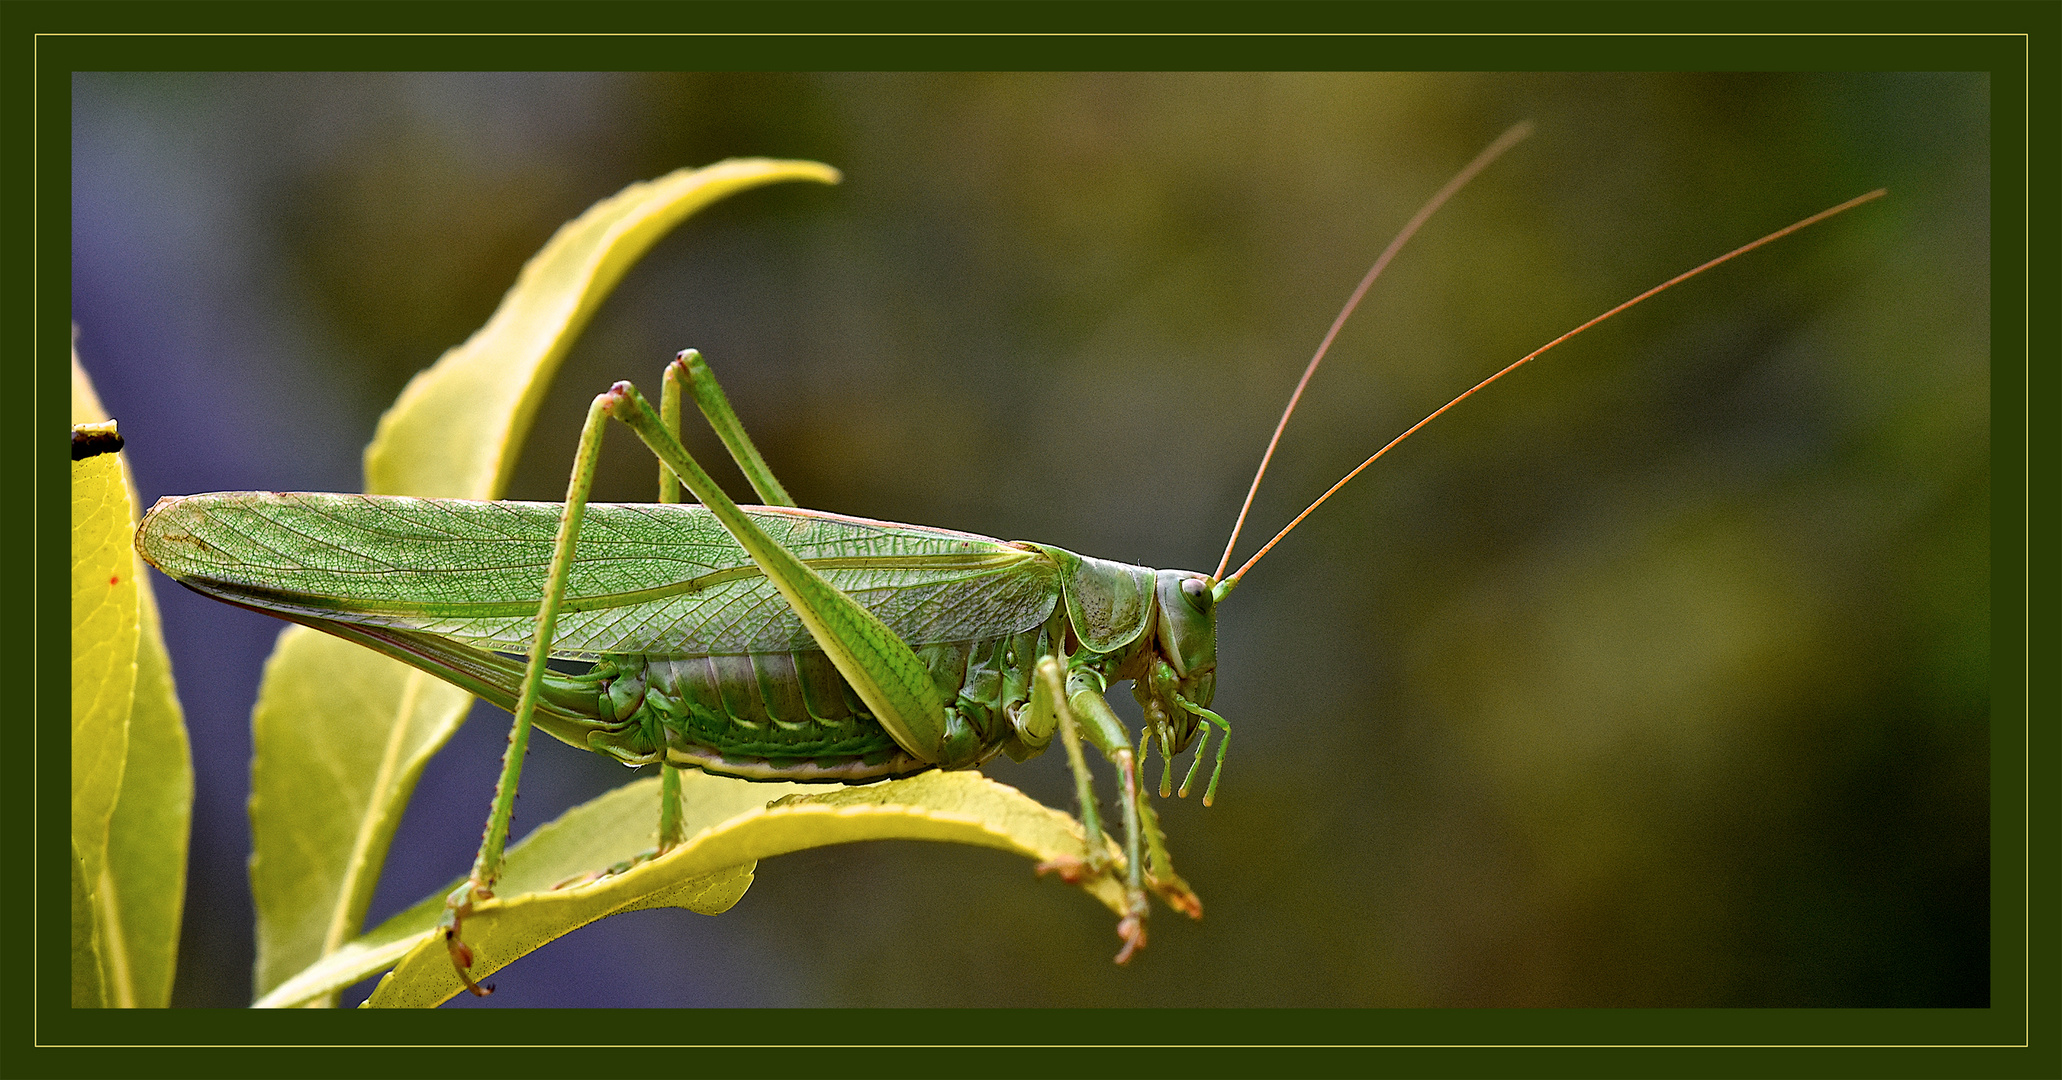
(1133, 930)
(462, 962)
(456, 908)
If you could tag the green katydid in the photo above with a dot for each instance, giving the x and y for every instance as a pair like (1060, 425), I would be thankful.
(768, 642)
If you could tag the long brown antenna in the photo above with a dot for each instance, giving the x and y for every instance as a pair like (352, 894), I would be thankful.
(1460, 179)
(1226, 585)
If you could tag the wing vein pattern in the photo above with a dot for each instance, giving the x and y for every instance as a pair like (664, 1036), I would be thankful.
(648, 579)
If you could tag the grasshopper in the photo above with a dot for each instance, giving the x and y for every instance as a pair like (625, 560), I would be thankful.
(767, 642)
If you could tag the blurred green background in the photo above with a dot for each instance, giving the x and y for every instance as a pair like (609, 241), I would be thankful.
(1656, 675)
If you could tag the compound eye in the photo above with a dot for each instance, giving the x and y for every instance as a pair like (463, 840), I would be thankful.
(1197, 592)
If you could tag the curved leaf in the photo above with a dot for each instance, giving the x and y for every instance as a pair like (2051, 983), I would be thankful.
(103, 648)
(958, 807)
(456, 431)
(324, 809)
(142, 887)
(611, 828)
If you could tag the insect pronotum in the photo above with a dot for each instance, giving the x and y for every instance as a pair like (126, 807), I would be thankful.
(769, 642)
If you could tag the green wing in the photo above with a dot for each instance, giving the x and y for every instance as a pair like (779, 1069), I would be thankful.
(648, 578)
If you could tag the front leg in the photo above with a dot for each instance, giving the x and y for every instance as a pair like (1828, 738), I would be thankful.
(1143, 840)
(1046, 713)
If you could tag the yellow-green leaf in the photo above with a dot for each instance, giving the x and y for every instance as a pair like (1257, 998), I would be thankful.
(327, 791)
(601, 832)
(958, 807)
(142, 887)
(103, 646)
(456, 430)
